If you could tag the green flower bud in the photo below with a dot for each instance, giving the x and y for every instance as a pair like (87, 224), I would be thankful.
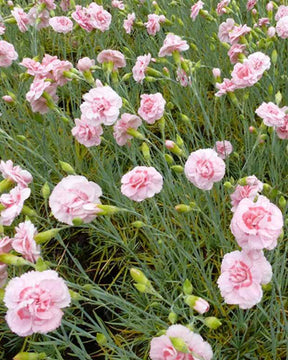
(45, 191)
(182, 208)
(169, 159)
(138, 276)
(187, 287)
(282, 202)
(212, 322)
(67, 168)
(30, 356)
(46, 235)
(13, 260)
(146, 151)
(101, 339)
(138, 224)
(77, 222)
(172, 317)
(177, 168)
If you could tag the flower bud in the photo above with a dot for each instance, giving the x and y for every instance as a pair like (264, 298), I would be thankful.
(41, 265)
(212, 322)
(30, 356)
(152, 72)
(278, 98)
(216, 73)
(282, 202)
(136, 134)
(169, 159)
(174, 148)
(126, 77)
(172, 317)
(196, 303)
(271, 31)
(187, 287)
(138, 224)
(185, 118)
(44, 236)
(145, 151)
(45, 191)
(228, 185)
(179, 140)
(26, 210)
(77, 221)
(75, 295)
(274, 56)
(10, 259)
(101, 339)
(252, 130)
(138, 276)
(182, 208)
(177, 168)
(5, 185)
(67, 168)
(8, 99)
(107, 209)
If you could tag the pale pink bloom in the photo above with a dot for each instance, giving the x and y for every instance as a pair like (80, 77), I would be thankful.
(271, 31)
(15, 173)
(282, 27)
(85, 64)
(3, 275)
(101, 106)
(81, 16)
(34, 96)
(141, 183)
(140, 67)
(259, 62)
(281, 12)
(49, 4)
(172, 43)
(195, 9)
(226, 86)
(153, 24)
(235, 51)
(152, 107)
(21, 18)
(127, 121)
(99, 18)
(221, 7)
(59, 66)
(69, 197)
(182, 77)
(118, 4)
(262, 22)
(201, 306)
(87, 134)
(224, 30)
(252, 189)
(40, 19)
(34, 68)
(216, 73)
(271, 114)
(243, 75)
(114, 56)
(61, 24)
(34, 301)
(128, 23)
(223, 148)
(250, 4)
(7, 53)
(13, 202)
(8, 99)
(237, 32)
(241, 278)
(5, 245)
(65, 5)
(24, 243)
(161, 347)
(282, 131)
(257, 225)
(270, 6)
(204, 167)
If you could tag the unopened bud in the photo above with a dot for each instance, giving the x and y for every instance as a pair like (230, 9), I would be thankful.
(184, 118)
(45, 191)
(252, 130)
(152, 72)
(77, 221)
(274, 56)
(187, 287)
(5, 185)
(282, 202)
(196, 303)
(169, 159)
(13, 260)
(138, 276)
(101, 339)
(44, 236)
(107, 209)
(182, 208)
(26, 210)
(126, 77)
(136, 134)
(177, 168)
(67, 168)
(172, 317)
(174, 148)
(138, 224)
(212, 322)
(8, 99)
(145, 151)
(278, 98)
(75, 295)
(228, 185)
(30, 356)
(41, 265)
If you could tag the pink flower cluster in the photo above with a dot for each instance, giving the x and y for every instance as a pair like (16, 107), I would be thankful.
(7, 53)
(92, 17)
(230, 33)
(140, 67)
(162, 348)
(171, 44)
(48, 75)
(256, 225)
(282, 21)
(153, 23)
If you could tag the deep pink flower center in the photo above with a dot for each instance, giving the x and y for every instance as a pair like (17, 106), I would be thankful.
(253, 217)
(240, 275)
(205, 168)
(100, 105)
(139, 180)
(33, 300)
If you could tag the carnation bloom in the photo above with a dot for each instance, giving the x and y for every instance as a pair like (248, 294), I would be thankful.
(241, 277)
(87, 134)
(226, 86)
(21, 18)
(35, 95)
(204, 167)
(172, 43)
(140, 67)
(223, 148)
(81, 16)
(114, 56)
(271, 114)
(128, 23)
(153, 24)
(195, 9)
(161, 347)
(152, 107)
(85, 64)
(282, 131)
(127, 121)
(118, 4)
(40, 19)
(250, 190)
(15, 173)
(7, 53)
(250, 4)
(182, 77)
(24, 243)
(282, 27)
(69, 196)
(257, 225)
(281, 12)
(99, 18)
(34, 301)
(224, 30)
(141, 183)
(221, 7)
(61, 24)
(101, 106)
(235, 51)
(13, 203)
(5, 245)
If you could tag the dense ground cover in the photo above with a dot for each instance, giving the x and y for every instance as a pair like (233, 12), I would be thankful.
(178, 237)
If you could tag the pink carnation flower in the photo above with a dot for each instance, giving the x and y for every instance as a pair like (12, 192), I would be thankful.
(237, 32)
(235, 51)
(21, 18)
(5, 245)
(271, 114)
(7, 53)
(241, 278)
(195, 9)
(128, 23)
(87, 134)
(182, 77)
(61, 24)
(250, 4)
(140, 67)
(252, 189)
(40, 19)
(226, 86)
(223, 148)
(85, 64)
(50, 5)
(221, 7)
(151, 107)
(69, 197)
(34, 301)
(153, 24)
(35, 95)
(141, 183)
(24, 243)
(257, 225)
(224, 30)
(172, 43)
(204, 167)
(13, 203)
(282, 27)
(118, 4)
(2, 26)
(281, 12)
(65, 5)
(127, 121)
(34, 68)
(99, 18)
(15, 173)
(81, 16)
(161, 347)
(282, 131)
(114, 56)
(101, 106)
